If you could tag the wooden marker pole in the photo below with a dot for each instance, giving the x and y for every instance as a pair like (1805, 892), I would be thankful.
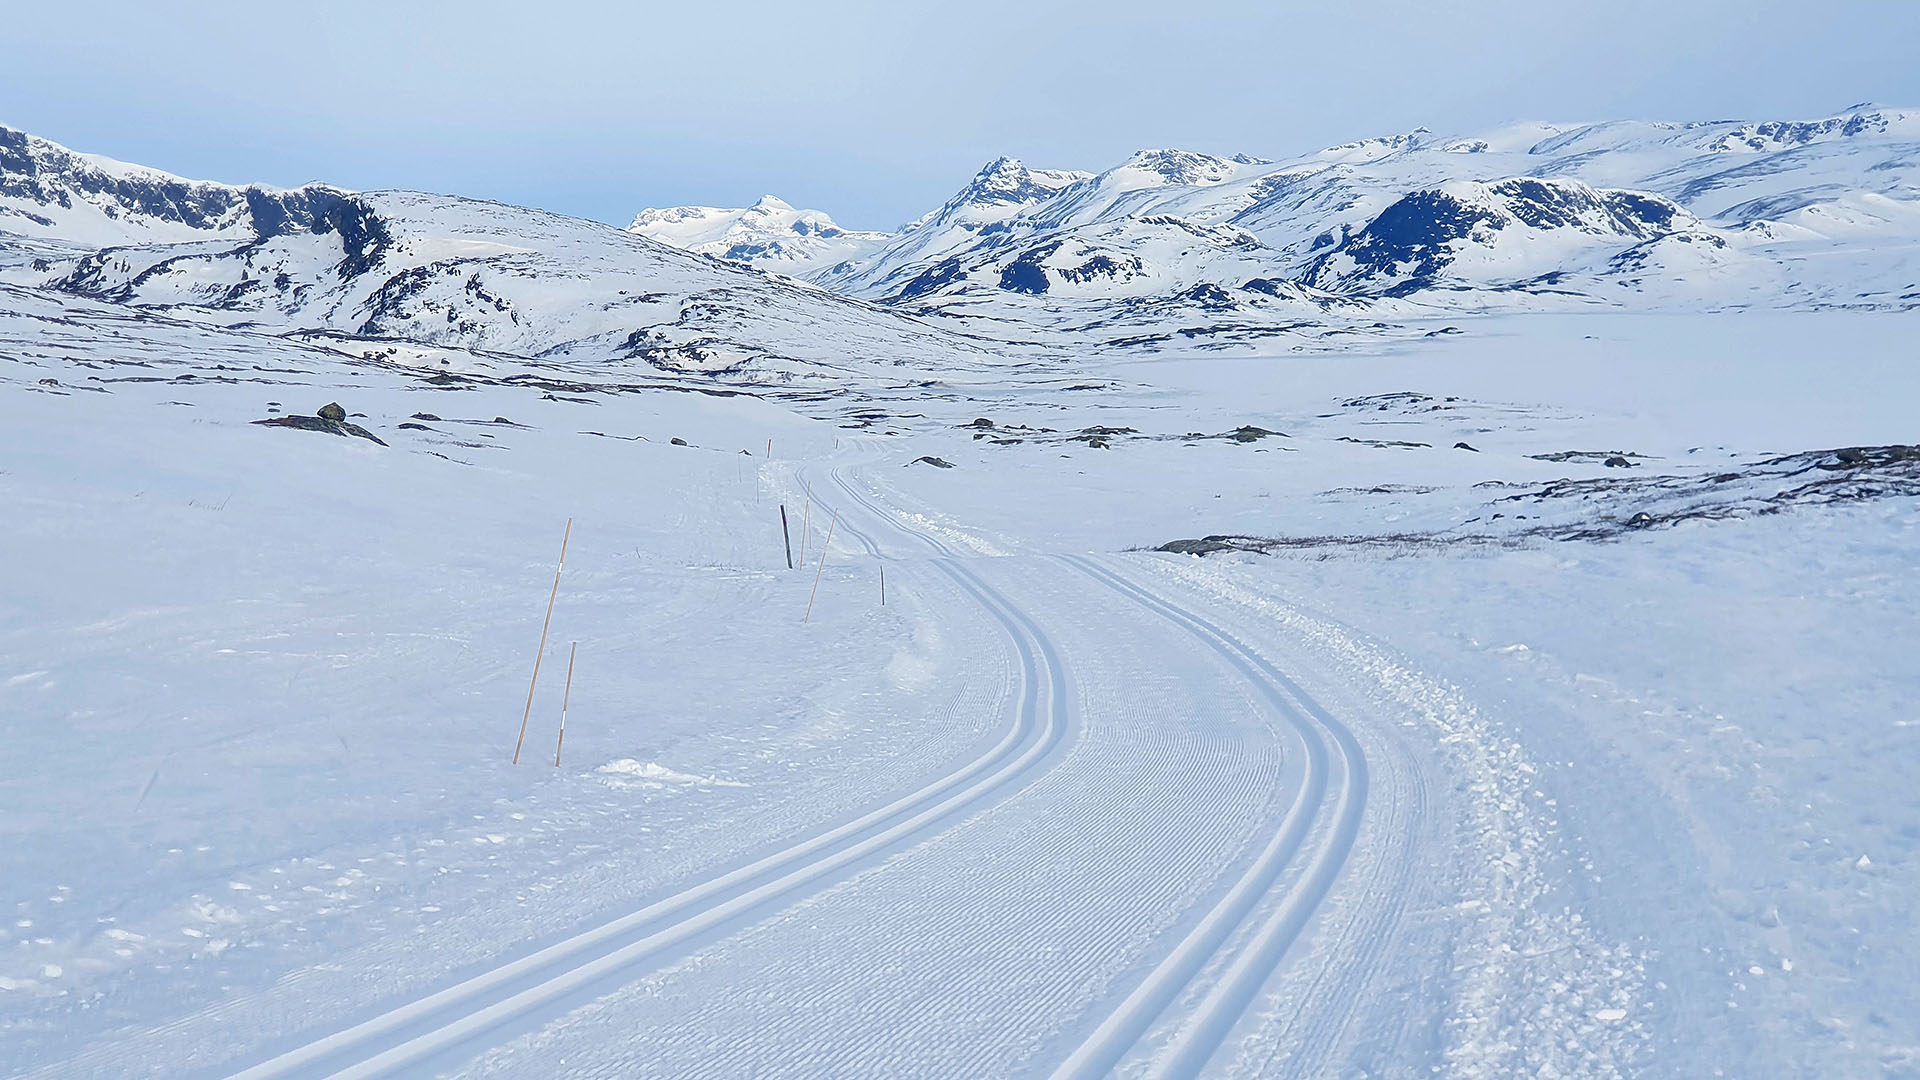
(785, 535)
(883, 584)
(544, 627)
(823, 567)
(806, 521)
(564, 699)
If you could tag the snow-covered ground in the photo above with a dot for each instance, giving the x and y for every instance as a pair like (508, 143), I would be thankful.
(1439, 606)
(1419, 791)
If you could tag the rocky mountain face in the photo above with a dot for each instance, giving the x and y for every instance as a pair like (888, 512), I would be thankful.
(50, 192)
(1728, 214)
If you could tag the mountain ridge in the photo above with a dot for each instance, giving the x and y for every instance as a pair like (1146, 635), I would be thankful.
(1763, 203)
(1169, 249)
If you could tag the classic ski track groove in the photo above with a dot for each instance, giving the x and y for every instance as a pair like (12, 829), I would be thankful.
(457, 1013)
(1202, 1033)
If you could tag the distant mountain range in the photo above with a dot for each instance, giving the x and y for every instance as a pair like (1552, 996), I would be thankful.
(1727, 213)
(1170, 249)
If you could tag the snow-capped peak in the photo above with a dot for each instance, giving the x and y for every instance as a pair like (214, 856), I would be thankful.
(770, 234)
(1000, 190)
(1180, 167)
(1376, 148)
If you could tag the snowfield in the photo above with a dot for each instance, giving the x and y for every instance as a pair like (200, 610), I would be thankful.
(1430, 688)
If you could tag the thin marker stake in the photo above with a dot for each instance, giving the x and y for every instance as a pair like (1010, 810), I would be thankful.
(823, 566)
(564, 699)
(535, 681)
(883, 584)
(785, 535)
(806, 521)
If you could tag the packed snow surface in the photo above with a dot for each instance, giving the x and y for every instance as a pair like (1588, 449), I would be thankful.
(1435, 685)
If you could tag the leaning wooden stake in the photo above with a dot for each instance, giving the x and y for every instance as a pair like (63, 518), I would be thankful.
(544, 627)
(823, 566)
(806, 521)
(785, 535)
(564, 699)
(883, 584)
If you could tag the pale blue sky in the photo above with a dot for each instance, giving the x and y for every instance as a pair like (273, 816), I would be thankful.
(877, 111)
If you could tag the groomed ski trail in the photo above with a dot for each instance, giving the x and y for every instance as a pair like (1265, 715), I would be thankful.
(501, 1000)
(1334, 795)
(1327, 809)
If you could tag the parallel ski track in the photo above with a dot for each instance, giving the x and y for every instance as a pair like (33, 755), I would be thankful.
(497, 1001)
(1335, 792)
(1325, 812)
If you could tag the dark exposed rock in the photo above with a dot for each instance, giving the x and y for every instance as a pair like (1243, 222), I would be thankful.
(425, 416)
(1603, 457)
(938, 463)
(323, 424)
(410, 426)
(1464, 446)
(1206, 545)
(1386, 444)
(1856, 457)
(332, 411)
(1247, 433)
(677, 441)
(982, 422)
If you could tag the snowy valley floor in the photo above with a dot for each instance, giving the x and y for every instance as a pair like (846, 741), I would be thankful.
(1421, 791)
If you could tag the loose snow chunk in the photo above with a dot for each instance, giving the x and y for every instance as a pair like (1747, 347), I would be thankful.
(1610, 1015)
(628, 769)
(1864, 863)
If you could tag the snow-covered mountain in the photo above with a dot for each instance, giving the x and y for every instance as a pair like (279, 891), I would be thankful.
(1731, 214)
(50, 192)
(769, 234)
(1170, 248)
(430, 270)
